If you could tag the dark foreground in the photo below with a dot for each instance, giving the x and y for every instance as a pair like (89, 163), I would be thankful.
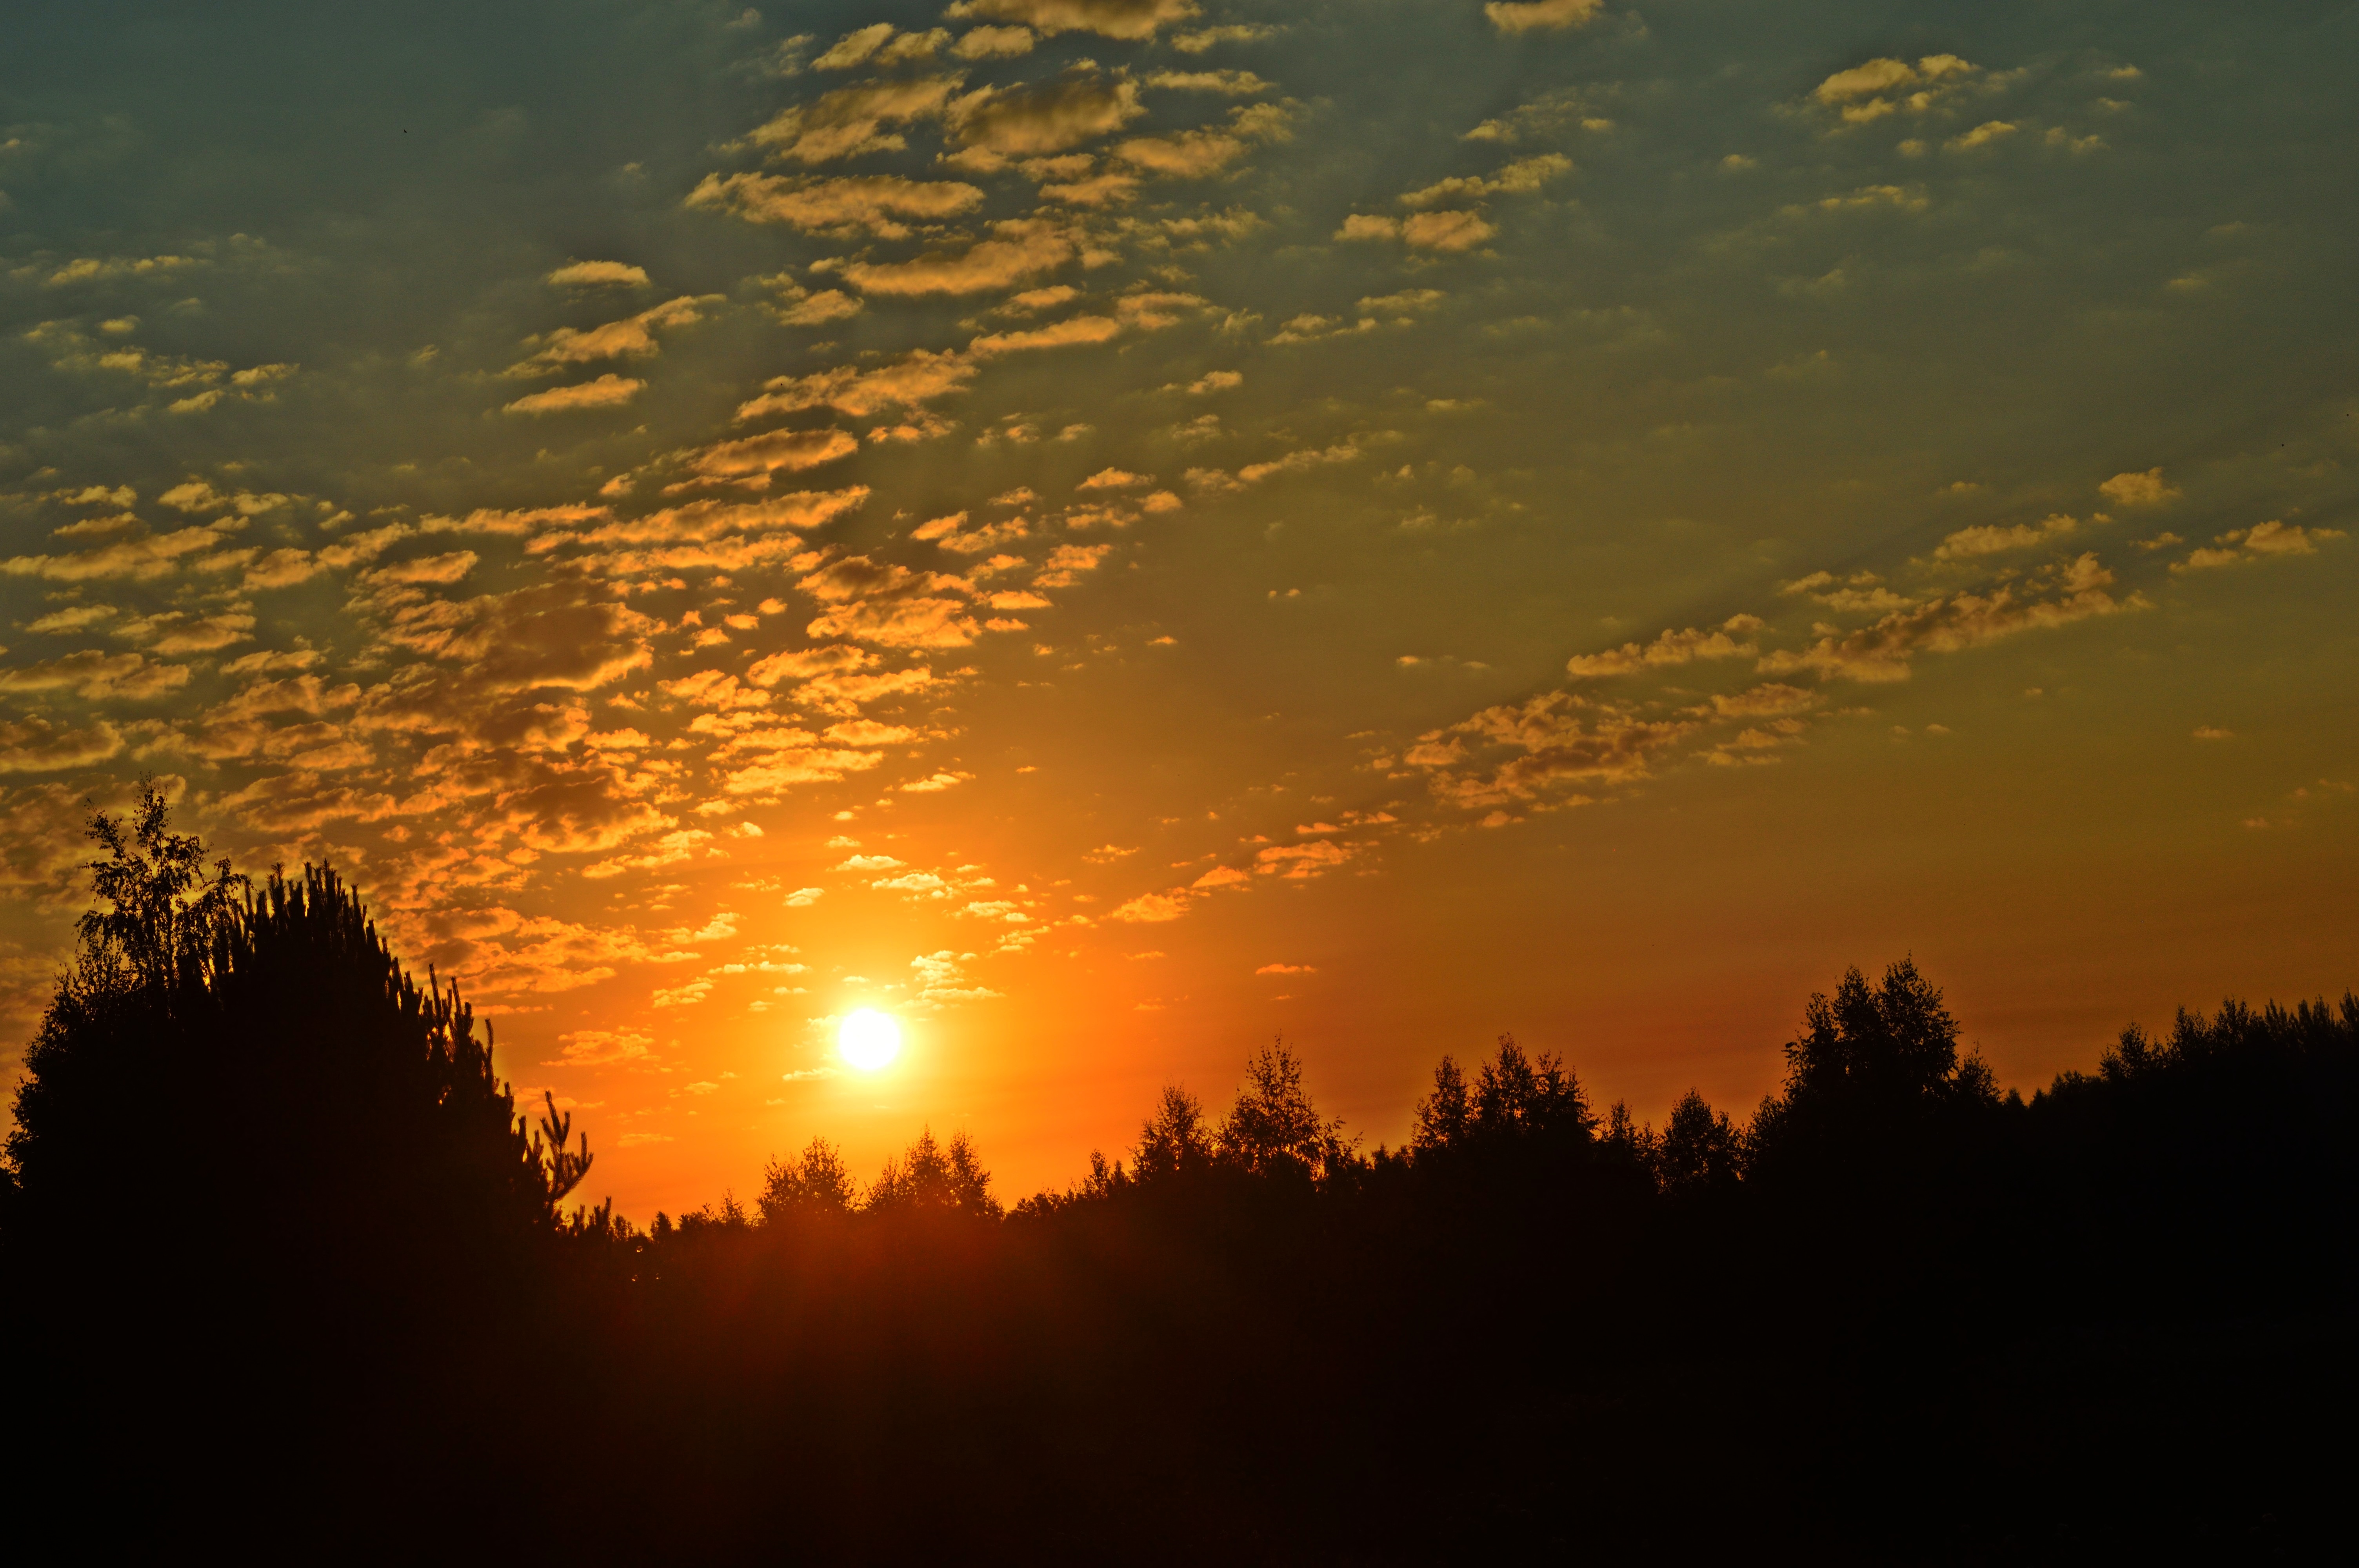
(285, 1271)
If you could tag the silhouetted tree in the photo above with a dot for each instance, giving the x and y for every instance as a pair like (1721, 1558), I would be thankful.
(818, 1184)
(1514, 1099)
(931, 1178)
(1520, 1098)
(1872, 1068)
(1700, 1150)
(1173, 1140)
(1445, 1117)
(272, 1056)
(267, 1174)
(1274, 1128)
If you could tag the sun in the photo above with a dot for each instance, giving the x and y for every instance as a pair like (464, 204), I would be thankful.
(868, 1039)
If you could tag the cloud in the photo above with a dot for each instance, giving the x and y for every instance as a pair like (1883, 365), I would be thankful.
(1108, 190)
(1519, 178)
(34, 746)
(550, 634)
(604, 1048)
(98, 677)
(1185, 155)
(1152, 908)
(1124, 19)
(1442, 230)
(1768, 700)
(703, 521)
(1991, 539)
(90, 269)
(852, 120)
(546, 955)
(878, 43)
(609, 391)
(73, 618)
(1025, 249)
(180, 633)
(994, 124)
(801, 308)
(1859, 92)
(1115, 478)
(1515, 16)
(1067, 562)
(1982, 136)
(1236, 83)
(948, 533)
(2147, 489)
(1191, 154)
(1204, 38)
(1865, 80)
(1551, 114)
(789, 766)
(670, 849)
(1216, 481)
(1562, 739)
(1882, 652)
(1286, 970)
(1402, 306)
(598, 273)
(910, 382)
(2259, 541)
(149, 557)
(1074, 330)
(1296, 862)
(889, 605)
(281, 569)
(756, 458)
(1860, 592)
(633, 337)
(993, 43)
(848, 205)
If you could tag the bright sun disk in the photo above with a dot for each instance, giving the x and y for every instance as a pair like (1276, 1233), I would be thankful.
(869, 1039)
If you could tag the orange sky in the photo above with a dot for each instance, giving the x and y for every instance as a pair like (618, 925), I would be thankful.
(1111, 529)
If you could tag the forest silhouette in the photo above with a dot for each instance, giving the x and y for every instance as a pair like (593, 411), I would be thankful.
(286, 1266)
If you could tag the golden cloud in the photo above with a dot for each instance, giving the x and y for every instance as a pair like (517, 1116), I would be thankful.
(1127, 19)
(609, 391)
(874, 202)
(1030, 122)
(852, 120)
(633, 337)
(1882, 652)
(34, 746)
(758, 456)
(1025, 249)
(916, 379)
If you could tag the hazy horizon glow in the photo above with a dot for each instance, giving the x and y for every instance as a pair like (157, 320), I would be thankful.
(1106, 530)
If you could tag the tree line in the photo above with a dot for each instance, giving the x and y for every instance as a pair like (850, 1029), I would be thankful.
(284, 1255)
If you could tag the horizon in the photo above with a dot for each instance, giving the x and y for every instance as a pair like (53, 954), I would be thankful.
(1109, 531)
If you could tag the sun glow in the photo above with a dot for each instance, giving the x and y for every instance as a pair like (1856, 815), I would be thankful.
(868, 1039)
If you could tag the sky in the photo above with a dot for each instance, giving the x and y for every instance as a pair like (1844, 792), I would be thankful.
(1112, 531)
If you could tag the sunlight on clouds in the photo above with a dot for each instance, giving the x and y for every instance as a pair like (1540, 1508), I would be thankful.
(1513, 16)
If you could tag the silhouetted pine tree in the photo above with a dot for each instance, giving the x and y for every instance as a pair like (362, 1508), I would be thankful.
(265, 1172)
